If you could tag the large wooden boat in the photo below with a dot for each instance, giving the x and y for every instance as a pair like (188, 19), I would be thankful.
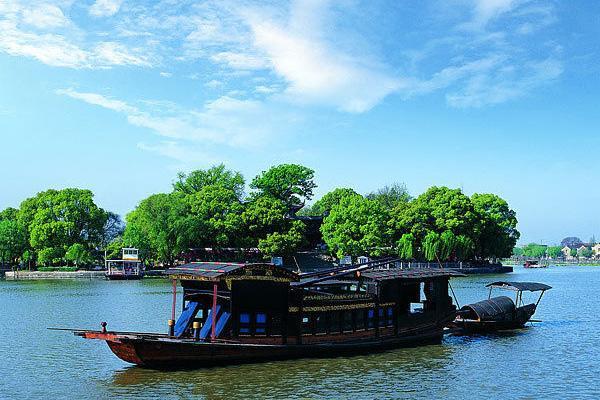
(239, 313)
(499, 313)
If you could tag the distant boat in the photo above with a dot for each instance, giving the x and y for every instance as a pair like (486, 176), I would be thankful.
(534, 264)
(128, 267)
(499, 313)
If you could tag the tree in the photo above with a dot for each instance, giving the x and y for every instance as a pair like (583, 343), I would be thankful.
(356, 226)
(283, 244)
(217, 175)
(78, 254)
(585, 252)
(496, 228)
(390, 196)
(533, 250)
(573, 252)
(437, 210)
(113, 228)
(291, 183)
(13, 241)
(432, 246)
(406, 246)
(216, 212)
(114, 248)
(264, 215)
(517, 251)
(571, 241)
(325, 203)
(159, 227)
(554, 251)
(57, 219)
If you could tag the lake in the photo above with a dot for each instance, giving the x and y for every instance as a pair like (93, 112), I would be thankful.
(556, 358)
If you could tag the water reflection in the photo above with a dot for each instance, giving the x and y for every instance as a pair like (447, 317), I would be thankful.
(332, 377)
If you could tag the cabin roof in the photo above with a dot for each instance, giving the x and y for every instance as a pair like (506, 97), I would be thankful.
(491, 309)
(527, 286)
(218, 270)
(408, 274)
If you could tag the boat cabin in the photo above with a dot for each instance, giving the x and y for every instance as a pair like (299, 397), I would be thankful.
(267, 304)
(128, 267)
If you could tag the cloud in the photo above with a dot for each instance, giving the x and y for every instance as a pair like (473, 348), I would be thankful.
(183, 153)
(240, 60)
(316, 71)
(105, 8)
(226, 120)
(45, 16)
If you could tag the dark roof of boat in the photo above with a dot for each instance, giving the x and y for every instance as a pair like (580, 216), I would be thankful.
(418, 274)
(217, 270)
(492, 309)
(527, 286)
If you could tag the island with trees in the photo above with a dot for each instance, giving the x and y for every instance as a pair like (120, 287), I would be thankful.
(212, 209)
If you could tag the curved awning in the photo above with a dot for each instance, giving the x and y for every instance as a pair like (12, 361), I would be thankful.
(527, 286)
(496, 308)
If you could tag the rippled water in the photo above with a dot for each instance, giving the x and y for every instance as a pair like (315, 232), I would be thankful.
(557, 358)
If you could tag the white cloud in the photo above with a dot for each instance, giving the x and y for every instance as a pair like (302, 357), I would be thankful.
(185, 153)
(105, 8)
(214, 83)
(112, 53)
(240, 60)
(45, 16)
(98, 100)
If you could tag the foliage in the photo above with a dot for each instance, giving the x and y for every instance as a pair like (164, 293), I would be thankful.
(406, 246)
(356, 226)
(113, 228)
(283, 244)
(291, 183)
(78, 254)
(432, 246)
(533, 250)
(324, 204)
(217, 175)
(264, 215)
(517, 251)
(585, 252)
(13, 241)
(57, 219)
(554, 251)
(496, 226)
(216, 215)
(159, 227)
(114, 248)
(571, 241)
(391, 196)
(573, 252)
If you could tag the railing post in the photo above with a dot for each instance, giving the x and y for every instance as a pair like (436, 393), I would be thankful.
(214, 313)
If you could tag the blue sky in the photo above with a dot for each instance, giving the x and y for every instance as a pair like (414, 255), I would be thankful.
(488, 95)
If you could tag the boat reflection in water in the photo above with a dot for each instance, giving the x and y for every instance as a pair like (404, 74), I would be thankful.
(238, 313)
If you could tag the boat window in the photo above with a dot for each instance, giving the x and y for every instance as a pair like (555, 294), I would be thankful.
(370, 318)
(360, 319)
(261, 323)
(244, 323)
(348, 321)
(306, 326)
(382, 319)
(416, 308)
(390, 316)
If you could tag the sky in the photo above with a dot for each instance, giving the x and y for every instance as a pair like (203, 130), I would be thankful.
(495, 96)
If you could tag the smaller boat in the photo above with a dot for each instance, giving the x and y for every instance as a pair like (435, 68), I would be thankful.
(533, 264)
(128, 267)
(499, 313)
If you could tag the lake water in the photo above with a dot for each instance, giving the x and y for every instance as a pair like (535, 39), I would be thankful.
(556, 358)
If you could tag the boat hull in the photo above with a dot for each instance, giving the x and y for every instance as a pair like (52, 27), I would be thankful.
(162, 352)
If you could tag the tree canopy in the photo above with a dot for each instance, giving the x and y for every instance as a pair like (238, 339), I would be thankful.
(391, 196)
(291, 183)
(217, 175)
(324, 204)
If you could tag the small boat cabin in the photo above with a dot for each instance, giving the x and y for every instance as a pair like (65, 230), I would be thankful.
(128, 267)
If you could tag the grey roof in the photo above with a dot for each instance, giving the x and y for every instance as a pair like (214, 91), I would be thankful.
(216, 270)
(414, 274)
(527, 286)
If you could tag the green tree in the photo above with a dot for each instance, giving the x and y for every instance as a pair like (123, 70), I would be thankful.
(13, 241)
(216, 212)
(585, 252)
(391, 196)
(325, 203)
(437, 210)
(356, 226)
(432, 246)
(262, 216)
(114, 248)
(554, 251)
(291, 183)
(78, 254)
(283, 244)
(160, 227)
(533, 250)
(217, 175)
(517, 251)
(57, 219)
(496, 227)
(573, 252)
(406, 246)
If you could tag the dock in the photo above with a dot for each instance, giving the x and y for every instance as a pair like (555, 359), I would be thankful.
(34, 275)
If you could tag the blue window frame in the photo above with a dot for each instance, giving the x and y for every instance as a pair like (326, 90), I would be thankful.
(261, 323)
(370, 317)
(244, 323)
